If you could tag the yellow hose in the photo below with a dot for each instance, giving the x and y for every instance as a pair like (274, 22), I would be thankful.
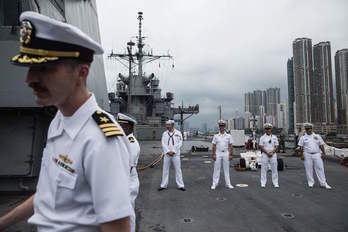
(152, 164)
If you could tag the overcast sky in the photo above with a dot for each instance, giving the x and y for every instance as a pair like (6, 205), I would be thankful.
(221, 48)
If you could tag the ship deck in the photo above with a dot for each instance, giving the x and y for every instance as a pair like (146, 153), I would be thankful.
(292, 207)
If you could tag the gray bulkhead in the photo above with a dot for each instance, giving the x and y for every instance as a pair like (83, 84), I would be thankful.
(23, 124)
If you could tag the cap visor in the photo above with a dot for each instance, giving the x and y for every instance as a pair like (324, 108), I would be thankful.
(32, 60)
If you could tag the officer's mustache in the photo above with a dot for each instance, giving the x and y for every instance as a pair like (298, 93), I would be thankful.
(37, 87)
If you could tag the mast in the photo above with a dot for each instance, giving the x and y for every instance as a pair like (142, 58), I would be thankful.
(136, 84)
(140, 46)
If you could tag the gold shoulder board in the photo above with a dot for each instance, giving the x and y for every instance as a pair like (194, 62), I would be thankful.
(107, 126)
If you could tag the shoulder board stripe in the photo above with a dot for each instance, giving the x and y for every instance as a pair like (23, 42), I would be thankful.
(107, 126)
(112, 133)
(111, 129)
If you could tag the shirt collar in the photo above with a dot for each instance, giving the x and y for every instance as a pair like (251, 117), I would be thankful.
(73, 124)
(222, 134)
(310, 134)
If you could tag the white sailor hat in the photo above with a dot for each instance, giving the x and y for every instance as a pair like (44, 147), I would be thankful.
(267, 126)
(44, 40)
(221, 122)
(308, 125)
(170, 121)
(125, 119)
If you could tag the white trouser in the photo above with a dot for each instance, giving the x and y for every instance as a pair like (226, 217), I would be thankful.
(265, 160)
(177, 166)
(224, 159)
(315, 159)
(134, 190)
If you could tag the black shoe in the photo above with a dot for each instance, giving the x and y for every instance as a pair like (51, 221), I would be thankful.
(160, 189)
(182, 189)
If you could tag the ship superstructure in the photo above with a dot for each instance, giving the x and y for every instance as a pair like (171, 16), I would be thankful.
(139, 95)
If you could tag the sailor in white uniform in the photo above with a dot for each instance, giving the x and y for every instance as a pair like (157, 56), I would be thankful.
(269, 145)
(310, 146)
(84, 178)
(128, 124)
(171, 144)
(222, 154)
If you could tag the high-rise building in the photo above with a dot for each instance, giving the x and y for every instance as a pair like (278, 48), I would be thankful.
(229, 125)
(272, 100)
(248, 102)
(322, 107)
(270, 119)
(262, 115)
(254, 100)
(281, 116)
(247, 118)
(291, 95)
(303, 72)
(341, 68)
(238, 123)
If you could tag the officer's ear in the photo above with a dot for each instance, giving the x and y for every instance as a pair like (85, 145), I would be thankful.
(83, 72)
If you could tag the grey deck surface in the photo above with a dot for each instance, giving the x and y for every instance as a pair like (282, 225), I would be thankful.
(242, 209)
(239, 209)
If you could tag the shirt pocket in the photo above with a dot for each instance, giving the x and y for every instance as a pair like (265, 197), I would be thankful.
(66, 180)
(65, 191)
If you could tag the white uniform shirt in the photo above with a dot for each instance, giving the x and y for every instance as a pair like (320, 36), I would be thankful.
(134, 150)
(84, 176)
(222, 141)
(311, 143)
(171, 142)
(268, 142)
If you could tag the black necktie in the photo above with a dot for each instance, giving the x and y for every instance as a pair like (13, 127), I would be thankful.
(171, 137)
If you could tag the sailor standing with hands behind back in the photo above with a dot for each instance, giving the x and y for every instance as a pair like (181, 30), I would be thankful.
(222, 154)
(269, 145)
(171, 144)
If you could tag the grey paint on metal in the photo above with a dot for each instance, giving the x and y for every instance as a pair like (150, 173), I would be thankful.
(16, 129)
(83, 14)
(145, 132)
(23, 123)
(22, 139)
(13, 90)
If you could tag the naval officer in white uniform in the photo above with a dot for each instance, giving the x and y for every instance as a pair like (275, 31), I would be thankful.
(171, 144)
(269, 145)
(222, 154)
(84, 178)
(128, 124)
(310, 146)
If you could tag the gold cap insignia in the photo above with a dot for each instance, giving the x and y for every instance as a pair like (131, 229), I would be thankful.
(25, 32)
